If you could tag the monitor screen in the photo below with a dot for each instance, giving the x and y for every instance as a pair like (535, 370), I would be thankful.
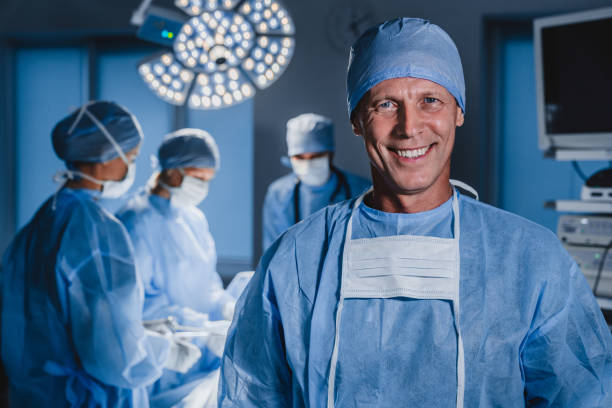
(577, 77)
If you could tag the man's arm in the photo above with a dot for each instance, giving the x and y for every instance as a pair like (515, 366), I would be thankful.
(274, 219)
(105, 302)
(567, 356)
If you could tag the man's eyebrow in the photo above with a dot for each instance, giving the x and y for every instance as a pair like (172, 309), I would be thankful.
(380, 97)
(434, 92)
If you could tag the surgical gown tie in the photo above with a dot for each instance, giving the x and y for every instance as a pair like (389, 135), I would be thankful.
(401, 266)
(77, 376)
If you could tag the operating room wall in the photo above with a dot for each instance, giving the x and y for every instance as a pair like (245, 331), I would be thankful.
(314, 81)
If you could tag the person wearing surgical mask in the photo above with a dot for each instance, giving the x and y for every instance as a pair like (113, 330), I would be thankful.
(414, 294)
(175, 253)
(314, 183)
(72, 300)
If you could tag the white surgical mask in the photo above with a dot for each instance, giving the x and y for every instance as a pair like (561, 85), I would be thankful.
(313, 172)
(192, 190)
(115, 189)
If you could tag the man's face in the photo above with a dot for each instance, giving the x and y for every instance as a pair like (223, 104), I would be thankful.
(408, 126)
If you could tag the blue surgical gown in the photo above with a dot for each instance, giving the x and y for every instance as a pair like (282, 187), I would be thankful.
(176, 257)
(533, 333)
(72, 330)
(279, 207)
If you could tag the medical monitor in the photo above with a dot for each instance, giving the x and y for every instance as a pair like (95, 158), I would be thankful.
(573, 67)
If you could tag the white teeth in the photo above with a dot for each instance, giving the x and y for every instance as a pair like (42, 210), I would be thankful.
(414, 153)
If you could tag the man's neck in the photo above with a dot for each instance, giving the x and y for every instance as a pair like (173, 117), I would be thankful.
(83, 183)
(385, 199)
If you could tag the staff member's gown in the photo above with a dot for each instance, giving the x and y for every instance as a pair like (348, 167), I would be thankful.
(176, 256)
(279, 207)
(532, 331)
(72, 332)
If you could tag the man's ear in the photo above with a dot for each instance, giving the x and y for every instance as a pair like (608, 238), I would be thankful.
(356, 124)
(460, 118)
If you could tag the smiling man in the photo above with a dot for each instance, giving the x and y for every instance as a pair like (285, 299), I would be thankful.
(414, 294)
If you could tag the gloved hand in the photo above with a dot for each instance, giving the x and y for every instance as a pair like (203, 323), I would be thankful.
(217, 333)
(189, 317)
(182, 356)
(161, 326)
(227, 311)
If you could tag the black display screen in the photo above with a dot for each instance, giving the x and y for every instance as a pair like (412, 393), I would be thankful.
(577, 67)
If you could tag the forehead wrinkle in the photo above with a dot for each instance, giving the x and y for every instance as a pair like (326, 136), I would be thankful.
(413, 90)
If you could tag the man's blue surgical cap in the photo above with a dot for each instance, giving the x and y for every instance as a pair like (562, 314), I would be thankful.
(97, 132)
(189, 148)
(404, 47)
(309, 133)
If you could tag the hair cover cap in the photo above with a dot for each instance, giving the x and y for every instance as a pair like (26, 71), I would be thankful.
(78, 138)
(189, 148)
(309, 133)
(404, 47)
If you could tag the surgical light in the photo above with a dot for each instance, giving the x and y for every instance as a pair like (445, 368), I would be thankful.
(223, 53)
(166, 77)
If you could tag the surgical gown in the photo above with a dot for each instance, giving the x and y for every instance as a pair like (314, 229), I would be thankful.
(176, 255)
(72, 330)
(532, 331)
(279, 210)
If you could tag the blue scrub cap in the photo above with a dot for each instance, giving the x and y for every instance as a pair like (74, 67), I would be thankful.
(309, 133)
(96, 132)
(189, 148)
(404, 47)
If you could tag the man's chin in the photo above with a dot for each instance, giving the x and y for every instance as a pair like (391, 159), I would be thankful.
(401, 187)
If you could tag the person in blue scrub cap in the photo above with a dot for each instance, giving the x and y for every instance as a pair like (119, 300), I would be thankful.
(72, 332)
(314, 183)
(414, 294)
(176, 255)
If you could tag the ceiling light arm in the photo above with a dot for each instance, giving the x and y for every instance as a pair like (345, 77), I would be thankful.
(138, 15)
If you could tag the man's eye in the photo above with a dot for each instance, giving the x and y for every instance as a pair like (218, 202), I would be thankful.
(385, 105)
(430, 100)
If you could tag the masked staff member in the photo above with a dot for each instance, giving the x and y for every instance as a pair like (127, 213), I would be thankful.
(314, 183)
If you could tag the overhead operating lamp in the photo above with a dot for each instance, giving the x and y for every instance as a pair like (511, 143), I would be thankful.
(219, 52)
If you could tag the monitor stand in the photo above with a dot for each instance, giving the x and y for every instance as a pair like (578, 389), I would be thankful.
(598, 187)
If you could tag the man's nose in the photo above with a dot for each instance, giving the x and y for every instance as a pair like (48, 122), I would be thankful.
(410, 123)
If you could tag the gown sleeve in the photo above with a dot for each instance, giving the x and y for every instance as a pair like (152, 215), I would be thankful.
(567, 356)
(274, 223)
(105, 303)
(177, 267)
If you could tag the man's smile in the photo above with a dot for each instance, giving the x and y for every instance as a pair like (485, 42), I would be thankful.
(412, 154)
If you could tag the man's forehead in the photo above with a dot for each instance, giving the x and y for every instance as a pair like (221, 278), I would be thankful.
(408, 85)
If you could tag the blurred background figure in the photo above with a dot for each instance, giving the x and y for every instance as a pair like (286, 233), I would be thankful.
(314, 183)
(71, 299)
(176, 255)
